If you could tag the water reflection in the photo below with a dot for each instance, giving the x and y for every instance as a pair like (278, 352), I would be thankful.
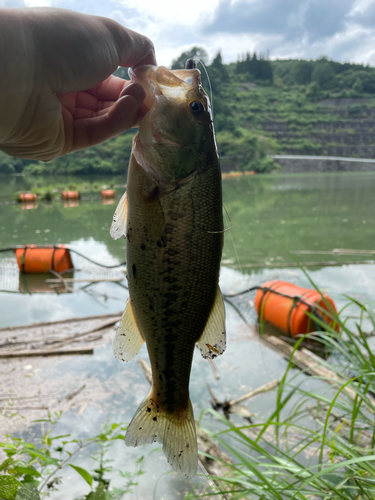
(70, 203)
(29, 206)
(108, 201)
(40, 283)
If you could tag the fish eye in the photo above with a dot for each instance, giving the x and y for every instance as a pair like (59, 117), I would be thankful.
(196, 108)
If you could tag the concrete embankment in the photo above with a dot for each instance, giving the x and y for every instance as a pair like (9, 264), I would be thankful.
(294, 164)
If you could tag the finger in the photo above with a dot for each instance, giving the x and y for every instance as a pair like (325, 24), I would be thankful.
(134, 48)
(112, 90)
(122, 116)
(87, 113)
(67, 100)
(88, 101)
(134, 89)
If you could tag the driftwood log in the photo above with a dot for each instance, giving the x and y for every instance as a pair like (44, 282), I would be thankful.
(309, 362)
(67, 337)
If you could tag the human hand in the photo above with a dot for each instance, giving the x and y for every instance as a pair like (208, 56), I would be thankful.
(57, 94)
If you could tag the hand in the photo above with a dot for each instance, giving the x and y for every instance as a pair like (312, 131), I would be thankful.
(57, 94)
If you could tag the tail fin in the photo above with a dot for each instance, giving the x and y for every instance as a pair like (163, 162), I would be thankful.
(176, 433)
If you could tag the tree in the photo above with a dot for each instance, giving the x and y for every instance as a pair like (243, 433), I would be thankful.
(260, 68)
(217, 61)
(302, 71)
(195, 52)
(323, 73)
(218, 74)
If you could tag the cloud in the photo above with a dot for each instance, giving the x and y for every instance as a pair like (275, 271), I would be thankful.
(364, 16)
(310, 20)
(12, 3)
(96, 8)
(341, 29)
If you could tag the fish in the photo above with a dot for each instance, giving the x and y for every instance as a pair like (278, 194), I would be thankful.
(171, 216)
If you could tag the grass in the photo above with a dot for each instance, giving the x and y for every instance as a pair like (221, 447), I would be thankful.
(317, 443)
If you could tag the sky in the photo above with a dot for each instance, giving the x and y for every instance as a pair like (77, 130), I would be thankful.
(343, 30)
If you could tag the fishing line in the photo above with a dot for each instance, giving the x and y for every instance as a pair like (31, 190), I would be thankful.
(228, 228)
(235, 251)
(209, 84)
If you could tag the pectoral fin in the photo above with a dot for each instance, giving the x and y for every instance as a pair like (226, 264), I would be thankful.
(212, 342)
(118, 227)
(128, 340)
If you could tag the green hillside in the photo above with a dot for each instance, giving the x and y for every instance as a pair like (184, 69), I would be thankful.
(261, 107)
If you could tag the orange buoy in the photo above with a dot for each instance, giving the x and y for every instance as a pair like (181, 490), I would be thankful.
(28, 198)
(70, 195)
(288, 313)
(108, 193)
(34, 259)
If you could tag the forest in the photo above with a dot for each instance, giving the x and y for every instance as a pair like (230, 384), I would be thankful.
(245, 95)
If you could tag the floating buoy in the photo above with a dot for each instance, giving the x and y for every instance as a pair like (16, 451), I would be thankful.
(34, 259)
(70, 195)
(287, 312)
(28, 198)
(237, 174)
(108, 194)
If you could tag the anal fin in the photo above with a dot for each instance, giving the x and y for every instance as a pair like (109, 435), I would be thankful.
(128, 340)
(212, 342)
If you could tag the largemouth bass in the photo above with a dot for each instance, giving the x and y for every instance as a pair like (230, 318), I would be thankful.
(171, 216)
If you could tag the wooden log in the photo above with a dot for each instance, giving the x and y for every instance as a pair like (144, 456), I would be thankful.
(264, 388)
(310, 362)
(145, 367)
(214, 369)
(85, 280)
(48, 336)
(342, 426)
(62, 322)
(44, 352)
(335, 251)
(306, 264)
(24, 408)
(234, 406)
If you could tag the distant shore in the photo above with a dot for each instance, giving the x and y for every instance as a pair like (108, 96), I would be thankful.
(299, 164)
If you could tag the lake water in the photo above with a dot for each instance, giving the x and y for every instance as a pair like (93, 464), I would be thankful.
(273, 217)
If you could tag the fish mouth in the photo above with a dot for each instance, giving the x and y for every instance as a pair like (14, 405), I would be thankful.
(159, 81)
